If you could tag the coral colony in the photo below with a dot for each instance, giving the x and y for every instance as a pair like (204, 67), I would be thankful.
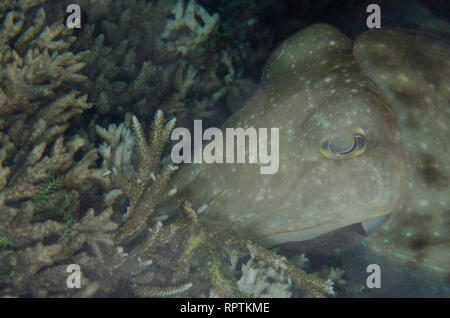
(100, 175)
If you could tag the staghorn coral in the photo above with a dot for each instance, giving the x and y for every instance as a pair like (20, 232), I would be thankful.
(185, 18)
(36, 62)
(144, 187)
(272, 276)
(145, 291)
(148, 55)
(37, 105)
(32, 266)
(315, 287)
(145, 179)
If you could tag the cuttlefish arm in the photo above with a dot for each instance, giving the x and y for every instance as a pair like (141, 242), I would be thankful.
(325, 108)
(413, 72)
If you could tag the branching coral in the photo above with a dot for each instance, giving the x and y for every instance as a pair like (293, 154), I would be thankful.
(314, 286)
(36, 62)
(148, 55)
(146, 188)
(175, 251)
(259, 280)
(36, 106)
(186, 18)
(273, 278)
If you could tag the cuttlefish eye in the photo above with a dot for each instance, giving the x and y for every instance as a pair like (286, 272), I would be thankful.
(342, 147)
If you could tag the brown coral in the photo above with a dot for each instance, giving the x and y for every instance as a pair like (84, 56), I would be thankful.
(36, 107)
(146, 188)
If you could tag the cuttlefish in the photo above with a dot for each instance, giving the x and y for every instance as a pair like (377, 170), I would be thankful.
(363, 139)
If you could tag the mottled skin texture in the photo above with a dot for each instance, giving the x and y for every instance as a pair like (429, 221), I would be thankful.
(318, 84)
(413, 71)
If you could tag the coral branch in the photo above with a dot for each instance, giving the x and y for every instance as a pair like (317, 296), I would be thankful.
(146, 188)
(314, 286)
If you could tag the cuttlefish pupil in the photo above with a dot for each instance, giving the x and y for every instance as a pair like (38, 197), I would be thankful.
(344, 147)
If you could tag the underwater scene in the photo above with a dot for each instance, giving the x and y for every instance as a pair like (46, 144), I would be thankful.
(225, 148)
